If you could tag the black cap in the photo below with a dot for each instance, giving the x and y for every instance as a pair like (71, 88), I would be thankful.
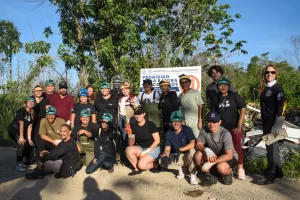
(213, 116)
(63, 84)
(148, 81)
(139, 111)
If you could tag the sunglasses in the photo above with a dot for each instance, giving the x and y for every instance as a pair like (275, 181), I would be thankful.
(105, 122)
(270, 72)
(184, 82)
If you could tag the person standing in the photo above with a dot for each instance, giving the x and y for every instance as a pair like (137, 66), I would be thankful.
(168, 102)
(212, 90)
(232, 109)
(116, 87)
(191, 104)
(63, 102)
(17, 130)
(91, 94)
(49, 90)
(271, 105)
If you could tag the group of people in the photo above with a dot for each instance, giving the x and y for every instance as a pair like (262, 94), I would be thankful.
(150, 131)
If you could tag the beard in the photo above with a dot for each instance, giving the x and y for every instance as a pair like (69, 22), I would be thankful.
(63, 93)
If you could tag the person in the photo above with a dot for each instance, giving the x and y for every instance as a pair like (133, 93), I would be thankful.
(106, 103)
(82, 134)
(91, 94)
(41, 103)
(215, 152)
(63, 160)
(168, 102)
(63, 102)
(148, 101)
(105, 146)
(49, 90)
(179, 148)
(271, 104)
(17, 130)
(191, 104)
(82, 105)
(232, 110)
(212, 90)
(143, 143)
(116, 87)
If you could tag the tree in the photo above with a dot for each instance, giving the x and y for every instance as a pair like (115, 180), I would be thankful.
(9, 42)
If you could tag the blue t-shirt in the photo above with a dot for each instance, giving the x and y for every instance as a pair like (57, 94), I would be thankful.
(179, 140)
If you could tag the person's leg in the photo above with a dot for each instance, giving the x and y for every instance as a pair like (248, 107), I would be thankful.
(52, 166)
(89, 156)
(108, 161)
(132, 154)
(147, 161)
(188, 160)
(237, 139)
(225, 170)
(92, 167)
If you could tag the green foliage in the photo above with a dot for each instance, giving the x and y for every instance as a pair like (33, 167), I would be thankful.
(39, 47)
(291, 168)
(255, 164)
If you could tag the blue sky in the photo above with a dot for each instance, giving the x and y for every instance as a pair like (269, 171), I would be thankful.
(265, 25)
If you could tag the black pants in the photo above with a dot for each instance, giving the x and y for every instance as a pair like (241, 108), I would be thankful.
(104, 160)
(272, 149)
(23, 150)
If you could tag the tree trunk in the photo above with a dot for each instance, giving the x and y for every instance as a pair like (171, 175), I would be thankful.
(10, 68)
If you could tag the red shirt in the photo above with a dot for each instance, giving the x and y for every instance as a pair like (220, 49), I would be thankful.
(50, 96)
(63, 106)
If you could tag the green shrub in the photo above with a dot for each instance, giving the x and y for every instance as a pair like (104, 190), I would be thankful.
(256, 164)
(291, 167)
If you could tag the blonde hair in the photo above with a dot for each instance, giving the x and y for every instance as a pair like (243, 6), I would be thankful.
(263, 80)
(32, 112)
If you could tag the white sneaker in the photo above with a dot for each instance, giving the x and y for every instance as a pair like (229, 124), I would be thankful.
(180, 174)
(193, 179)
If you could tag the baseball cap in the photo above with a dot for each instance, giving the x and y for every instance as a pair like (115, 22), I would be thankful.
(83, 92)
(37, 88)
(30, 98)
(107, 116)
(176, 116)
(49, 82)
(223, 80)
(139, 111)
(51, 111)
(104, 85)
(147, 81)
(63, 84)
(213, 116)
(164, 82)
(85, 113)
(125, 85)
(117, 80)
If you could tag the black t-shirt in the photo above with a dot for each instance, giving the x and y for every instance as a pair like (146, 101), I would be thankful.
(228, 108)
(78, 107)
(91, 127)
(22, 115)
(40, 108)
(105, 142)
(109, 105)
(116, 93)
(168, 103)
(272, 101)
(143, 134)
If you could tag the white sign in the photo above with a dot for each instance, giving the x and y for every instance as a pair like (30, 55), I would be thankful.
(171, 74)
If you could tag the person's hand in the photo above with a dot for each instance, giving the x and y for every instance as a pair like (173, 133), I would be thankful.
(145, 152)
(30, 142)
(165, 154)
(21, 140)
(95, 160)
(200, 124)
(206, 167)
(211, 156)
(42, 153)
(132, 102)
(237, 130)
(128, 129)
(81, 132)
(277, 125)
(57, 142)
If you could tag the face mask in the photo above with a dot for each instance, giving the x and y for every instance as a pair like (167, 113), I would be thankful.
(117, 85)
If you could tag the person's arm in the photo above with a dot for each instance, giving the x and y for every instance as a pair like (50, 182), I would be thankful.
(57, 152)
(85, 132)
(280, 101)
(131, 136)
(21, 131)
(156, 141)
(175, 102)
(199, 102)
(94, 118)
(73, 115)
(189, 146)
(72, 102)
(29, 130)
(241, 120)
(167, 151)
(225, 157)
(48, 139)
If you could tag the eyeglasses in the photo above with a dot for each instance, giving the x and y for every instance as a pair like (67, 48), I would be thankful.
(270, 72)
(105, 122)
(184, 82)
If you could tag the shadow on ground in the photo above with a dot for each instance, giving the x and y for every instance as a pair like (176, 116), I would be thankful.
(32, 193)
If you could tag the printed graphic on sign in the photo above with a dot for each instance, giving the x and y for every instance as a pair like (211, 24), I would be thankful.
(195, 84)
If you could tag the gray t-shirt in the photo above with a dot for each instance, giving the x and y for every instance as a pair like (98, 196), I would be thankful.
(218, 142)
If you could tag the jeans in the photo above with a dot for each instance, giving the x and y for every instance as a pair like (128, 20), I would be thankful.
(104, 160)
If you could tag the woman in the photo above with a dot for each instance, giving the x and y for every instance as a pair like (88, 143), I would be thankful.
(232, 110)
(17, 130)
(82, 105)
(106, 103)
(143, 143)
(91, 94)
(168, 102)
(105, 146)
(271, 105)
(150, 95)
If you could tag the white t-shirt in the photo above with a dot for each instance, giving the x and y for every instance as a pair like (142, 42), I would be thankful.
(149, 98)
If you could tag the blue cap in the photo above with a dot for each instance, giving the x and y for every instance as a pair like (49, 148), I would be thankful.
(49, 82)
(85, 112)
(30, 98)
(107, 116)
(51, 111)
(83, 92)
(213, 116)
(223, 80)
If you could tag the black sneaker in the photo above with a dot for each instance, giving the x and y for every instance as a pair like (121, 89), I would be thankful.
(226, 180)
(279, 173)
(57, 175)
(269, 179)
(209, 180)
(36, 174)
(133, 172)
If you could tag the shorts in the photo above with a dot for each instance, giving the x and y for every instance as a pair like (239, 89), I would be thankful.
(232, 163)
(154, 153)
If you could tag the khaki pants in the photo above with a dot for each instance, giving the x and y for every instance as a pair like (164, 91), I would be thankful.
(185, 160)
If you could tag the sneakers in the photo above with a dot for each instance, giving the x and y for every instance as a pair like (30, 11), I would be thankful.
(36, 174)
(193, 179)
(133, 173)
(20, 168)
(241, 174)
(226, 180)
(269, 179)
(209, 180)
(180, 174)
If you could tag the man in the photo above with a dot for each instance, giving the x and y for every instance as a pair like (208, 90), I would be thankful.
(179, 148)
(63, 160)
(82, 134)
(50, 90)
(215, 151)
(215, 72)
(191, 104)
(116, 87)
(50, 130)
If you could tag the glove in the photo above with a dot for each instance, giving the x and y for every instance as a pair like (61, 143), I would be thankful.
(211, 156)
(206, 167)
(128, 129)
(277, 125)
(68, 122)
(145, 152)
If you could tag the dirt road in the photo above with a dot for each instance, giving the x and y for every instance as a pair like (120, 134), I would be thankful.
(102, 185)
